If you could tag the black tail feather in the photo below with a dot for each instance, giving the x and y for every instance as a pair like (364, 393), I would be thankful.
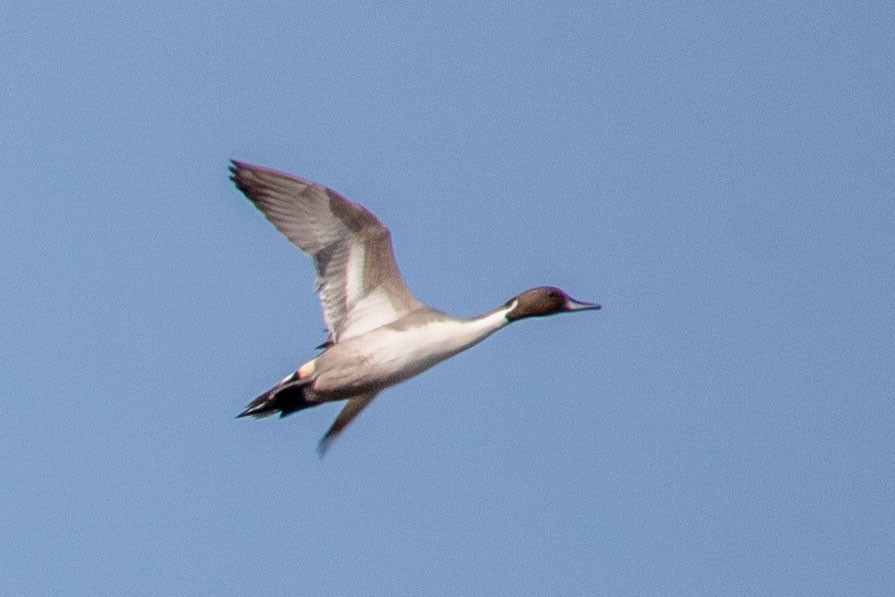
(287, 398)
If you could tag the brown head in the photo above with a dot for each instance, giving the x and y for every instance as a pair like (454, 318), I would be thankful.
(544, 300)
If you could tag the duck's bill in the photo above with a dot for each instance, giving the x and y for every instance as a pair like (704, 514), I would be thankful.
(573, 305)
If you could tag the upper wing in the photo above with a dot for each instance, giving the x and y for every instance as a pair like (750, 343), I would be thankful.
(358, 282)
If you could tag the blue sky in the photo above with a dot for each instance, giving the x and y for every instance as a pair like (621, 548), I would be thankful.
(719, 176)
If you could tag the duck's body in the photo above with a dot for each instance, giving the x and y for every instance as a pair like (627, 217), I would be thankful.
(379, 333)
(397, 351)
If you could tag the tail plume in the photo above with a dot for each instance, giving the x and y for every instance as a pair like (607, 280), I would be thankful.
(286, 397)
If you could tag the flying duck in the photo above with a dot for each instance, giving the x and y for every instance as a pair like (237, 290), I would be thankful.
(379, 334)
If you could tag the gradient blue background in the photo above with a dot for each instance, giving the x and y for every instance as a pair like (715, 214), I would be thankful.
(719, 176)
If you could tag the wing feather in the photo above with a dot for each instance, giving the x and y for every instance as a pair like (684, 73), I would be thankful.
(349, 412)
(358, 282)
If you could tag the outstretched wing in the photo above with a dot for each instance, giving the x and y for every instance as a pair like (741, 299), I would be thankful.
(358, 282)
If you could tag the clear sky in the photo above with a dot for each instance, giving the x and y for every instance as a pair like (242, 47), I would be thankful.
(719, 175)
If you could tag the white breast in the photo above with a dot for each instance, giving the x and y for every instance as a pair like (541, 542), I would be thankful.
(387, 355)
(433, 342)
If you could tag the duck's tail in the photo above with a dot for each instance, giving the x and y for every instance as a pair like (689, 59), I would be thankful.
(287, 397)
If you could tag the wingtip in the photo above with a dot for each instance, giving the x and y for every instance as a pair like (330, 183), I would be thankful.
(234, 166)
(323, 446)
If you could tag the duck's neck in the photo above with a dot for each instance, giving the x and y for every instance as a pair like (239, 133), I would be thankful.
(459, 334)
(492, 321)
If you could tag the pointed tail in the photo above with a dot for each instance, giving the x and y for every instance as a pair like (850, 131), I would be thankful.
(287, 397)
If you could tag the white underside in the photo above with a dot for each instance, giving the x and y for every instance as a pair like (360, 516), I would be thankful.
(386, 356)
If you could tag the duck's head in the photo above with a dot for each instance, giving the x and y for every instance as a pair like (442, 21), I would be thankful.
(544, 300)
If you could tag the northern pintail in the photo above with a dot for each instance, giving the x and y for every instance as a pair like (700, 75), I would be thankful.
(379, 333)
